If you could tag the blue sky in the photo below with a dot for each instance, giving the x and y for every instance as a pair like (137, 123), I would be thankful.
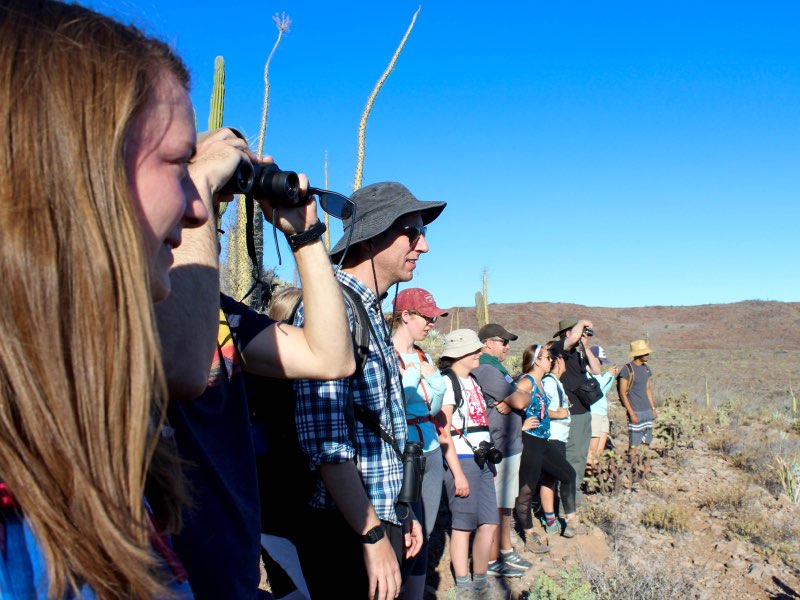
(606, 154)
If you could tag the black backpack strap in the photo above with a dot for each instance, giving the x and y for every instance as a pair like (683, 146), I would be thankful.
(456, 387)
(360, 326)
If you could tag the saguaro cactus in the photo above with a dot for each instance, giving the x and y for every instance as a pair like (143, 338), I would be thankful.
(362, 126)
(218, 104)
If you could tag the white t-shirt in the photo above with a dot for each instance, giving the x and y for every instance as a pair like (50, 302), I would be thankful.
(471, 414)
(557, 398)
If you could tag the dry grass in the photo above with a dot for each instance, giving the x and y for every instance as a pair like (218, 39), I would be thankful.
(671, 517)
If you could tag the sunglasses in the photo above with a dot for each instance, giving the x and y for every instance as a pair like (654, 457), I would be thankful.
(501, 340)
(414, 232)
(336, 205)
(430, 320)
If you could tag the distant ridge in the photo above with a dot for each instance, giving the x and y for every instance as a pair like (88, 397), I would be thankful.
(754, 323)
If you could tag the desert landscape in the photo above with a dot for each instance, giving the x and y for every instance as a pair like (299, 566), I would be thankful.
(721, 516)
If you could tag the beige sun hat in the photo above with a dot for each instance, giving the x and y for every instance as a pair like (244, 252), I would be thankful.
(461, 342)
(639, 348)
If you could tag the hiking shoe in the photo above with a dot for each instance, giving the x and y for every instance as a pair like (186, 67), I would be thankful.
(501, 568)
(535, 545)
(515, 560)
(554, 528)
(569, 531)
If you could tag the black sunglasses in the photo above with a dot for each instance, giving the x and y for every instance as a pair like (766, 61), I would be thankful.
(336, 205)
(414, 232)
(501, 340)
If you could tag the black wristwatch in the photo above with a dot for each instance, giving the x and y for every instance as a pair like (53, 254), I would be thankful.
(312, 234)
(374, 534)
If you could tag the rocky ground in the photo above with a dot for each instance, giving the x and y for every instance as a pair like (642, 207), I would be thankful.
(710, 532)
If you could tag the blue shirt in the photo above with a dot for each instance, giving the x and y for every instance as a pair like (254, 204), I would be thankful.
(421, 392)
(538, 408)
(322, 422)
(601, 406)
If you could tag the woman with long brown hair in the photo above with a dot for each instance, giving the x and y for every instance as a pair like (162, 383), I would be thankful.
(538, 455)
(97, 136)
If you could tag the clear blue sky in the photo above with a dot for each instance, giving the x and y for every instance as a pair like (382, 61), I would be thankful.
(606, 154)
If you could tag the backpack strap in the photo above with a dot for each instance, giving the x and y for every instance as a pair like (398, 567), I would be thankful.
(360, 326)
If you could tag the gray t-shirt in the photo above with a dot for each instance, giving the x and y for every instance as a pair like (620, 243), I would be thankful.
(637, 394)
(505, 429)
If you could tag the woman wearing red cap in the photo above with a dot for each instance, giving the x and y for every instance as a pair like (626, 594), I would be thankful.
(415, 313)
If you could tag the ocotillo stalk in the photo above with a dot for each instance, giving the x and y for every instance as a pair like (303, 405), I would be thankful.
(794, 401)
(282, 22)
(708, 396)
(362, 126)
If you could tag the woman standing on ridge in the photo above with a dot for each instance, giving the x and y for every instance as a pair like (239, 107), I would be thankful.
(538, 455)
(415, 313)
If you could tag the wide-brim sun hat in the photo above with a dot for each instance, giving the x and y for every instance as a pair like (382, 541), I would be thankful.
(461, 342)
(378, 206)
(564, 324)
(639, 348)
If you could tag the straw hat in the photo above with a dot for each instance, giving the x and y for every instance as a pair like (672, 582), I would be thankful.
(639, 348)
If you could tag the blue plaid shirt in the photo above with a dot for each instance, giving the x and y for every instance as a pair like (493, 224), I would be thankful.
(322, 426)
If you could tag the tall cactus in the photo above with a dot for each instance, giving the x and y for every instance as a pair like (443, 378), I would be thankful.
(362, 126)
(485, 296)
(480, 314)
(215, 114)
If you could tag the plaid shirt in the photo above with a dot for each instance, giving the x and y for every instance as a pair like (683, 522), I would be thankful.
(322, 425)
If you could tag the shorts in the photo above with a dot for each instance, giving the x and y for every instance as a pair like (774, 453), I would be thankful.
(506, 483)
(599, 425)
(480, 507)
(640, 433)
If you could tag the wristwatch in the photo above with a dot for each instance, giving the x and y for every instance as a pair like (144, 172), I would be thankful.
(374, 534)
(312, 234)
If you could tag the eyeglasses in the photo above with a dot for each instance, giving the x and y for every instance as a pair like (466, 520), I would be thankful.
(414, 232)
(501, 340)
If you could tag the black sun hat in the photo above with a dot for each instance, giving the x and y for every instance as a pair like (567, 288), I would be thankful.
(377, 207)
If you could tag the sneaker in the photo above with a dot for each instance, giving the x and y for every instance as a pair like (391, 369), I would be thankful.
(513, 558)
(501, 568)
(535, 545)
(554, 528)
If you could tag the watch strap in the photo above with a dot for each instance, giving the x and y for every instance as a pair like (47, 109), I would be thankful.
(312, 234)
(373, 535)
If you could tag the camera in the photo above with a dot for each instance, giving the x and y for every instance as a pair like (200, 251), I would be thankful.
(588, 331)
(487, 452)
(413, 470)
(281, 188)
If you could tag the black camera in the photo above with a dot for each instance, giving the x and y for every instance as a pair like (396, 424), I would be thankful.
(487, 452)
(281, 188)
(589, 332)
(413, 470)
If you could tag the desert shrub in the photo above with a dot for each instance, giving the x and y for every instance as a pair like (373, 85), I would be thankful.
(665, 517)
(603, 516)
(789, 477)
(569, 585)
(723, 441)
(620, 580)
(678, 420)
(725, 498)
(773, 538)
(513, 363)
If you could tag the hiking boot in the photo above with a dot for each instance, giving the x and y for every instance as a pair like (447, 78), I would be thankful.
(535, 545)
(490, 592)
(514, 559)
(501, 568)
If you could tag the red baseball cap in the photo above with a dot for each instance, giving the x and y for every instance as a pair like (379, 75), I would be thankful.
(419, 300)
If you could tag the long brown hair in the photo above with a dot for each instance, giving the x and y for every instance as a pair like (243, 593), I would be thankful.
(82, 389)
